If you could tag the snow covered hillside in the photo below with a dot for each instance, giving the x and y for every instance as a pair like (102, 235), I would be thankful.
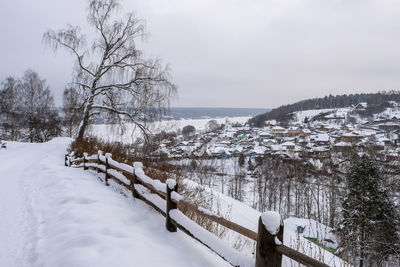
(57, 216)
(246, 216)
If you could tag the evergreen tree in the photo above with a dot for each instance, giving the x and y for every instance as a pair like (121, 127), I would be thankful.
(368, 227)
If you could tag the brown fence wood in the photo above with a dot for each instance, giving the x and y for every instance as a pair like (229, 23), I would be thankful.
(152, 188)
(84, 162)
(106, 176)
(77, 161)
(98, 162)
(183, 205)
(170, 206)
(134, 182)
(299, 257)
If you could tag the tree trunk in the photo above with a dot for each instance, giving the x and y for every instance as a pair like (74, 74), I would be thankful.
(362, 247)
(85, 119)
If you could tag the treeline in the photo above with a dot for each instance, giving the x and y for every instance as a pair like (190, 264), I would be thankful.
(27, 110)
(377, 102)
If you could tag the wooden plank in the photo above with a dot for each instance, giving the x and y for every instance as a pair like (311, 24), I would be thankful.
(124, 172)
(182, 205)
(131, 177)
(299, 257)
(91, 161)
(152, 189)
(170, 206)
(78, 160)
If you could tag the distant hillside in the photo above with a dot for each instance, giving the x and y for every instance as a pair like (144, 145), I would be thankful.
(377, 102)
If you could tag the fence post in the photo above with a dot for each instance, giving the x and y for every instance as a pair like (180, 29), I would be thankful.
(171, 187)
(65, 160)
(270, 234)
(99, 153)
(136, 166)
(84, 161)
(108, 155)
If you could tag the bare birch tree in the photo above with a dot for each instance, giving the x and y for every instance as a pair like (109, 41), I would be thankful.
(113, 74)
(10, 109)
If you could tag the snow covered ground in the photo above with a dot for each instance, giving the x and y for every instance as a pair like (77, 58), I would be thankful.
(57, 216)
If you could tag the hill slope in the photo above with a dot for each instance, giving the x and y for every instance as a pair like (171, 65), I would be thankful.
(376, 102)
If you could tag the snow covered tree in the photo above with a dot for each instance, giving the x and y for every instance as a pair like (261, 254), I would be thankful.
(212, 126)
(188, 131)
(27, 109)
(10, 109)
(40, 116)
(113, 74)
(368, 227)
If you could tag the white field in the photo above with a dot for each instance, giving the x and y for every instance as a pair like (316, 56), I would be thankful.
(128, 134)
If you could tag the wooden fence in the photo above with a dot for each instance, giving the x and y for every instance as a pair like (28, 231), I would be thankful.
(269, 248)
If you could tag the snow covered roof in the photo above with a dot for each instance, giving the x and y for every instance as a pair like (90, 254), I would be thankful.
(288, 144)
(342, 144)
(276, 147)
(322, 138)
(278, 128)
(259, 150)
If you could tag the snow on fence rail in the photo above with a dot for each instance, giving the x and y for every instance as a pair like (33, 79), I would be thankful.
(164, 198)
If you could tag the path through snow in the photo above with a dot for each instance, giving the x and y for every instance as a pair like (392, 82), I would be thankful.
(57, 216)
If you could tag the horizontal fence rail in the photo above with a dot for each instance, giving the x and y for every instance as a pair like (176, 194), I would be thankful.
(164, 198)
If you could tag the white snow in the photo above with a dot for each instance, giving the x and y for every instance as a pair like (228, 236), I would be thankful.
(277, 241)
(119, 176)
(171, 183)
(232, 255)
(53, 215)
(272, 221)
(157, 184)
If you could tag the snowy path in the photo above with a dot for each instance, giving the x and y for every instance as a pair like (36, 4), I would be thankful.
(15, 218)
(57, 216)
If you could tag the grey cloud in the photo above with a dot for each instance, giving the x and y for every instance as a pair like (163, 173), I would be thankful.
(230, 52)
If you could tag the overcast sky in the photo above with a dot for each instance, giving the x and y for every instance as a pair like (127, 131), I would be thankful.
(231, 53)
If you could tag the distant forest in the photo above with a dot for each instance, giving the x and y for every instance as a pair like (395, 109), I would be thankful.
(377, 102)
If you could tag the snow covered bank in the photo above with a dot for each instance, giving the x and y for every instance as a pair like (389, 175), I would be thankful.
(58, 216)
